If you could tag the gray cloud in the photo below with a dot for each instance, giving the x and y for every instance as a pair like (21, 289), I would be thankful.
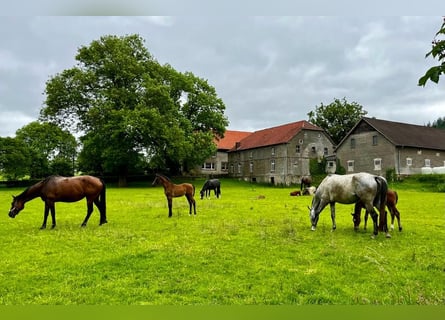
(267, 70)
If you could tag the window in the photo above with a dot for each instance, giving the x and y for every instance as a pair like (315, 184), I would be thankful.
(352, 143)
(378, 164)
(251, 154)
(208, 166)
(251, 167)
(350, 165)
(427, 163)
(273, 151)
(232, 169)
(272, 165)
(239, 167)
(314, 150)
(374, 140)
(325, 151)
(224, 166)
(409, 162)
(297, 148)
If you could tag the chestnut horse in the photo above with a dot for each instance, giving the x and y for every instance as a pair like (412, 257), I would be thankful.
(172, 190)
(61, 189)
(391, 201)
(351, 188)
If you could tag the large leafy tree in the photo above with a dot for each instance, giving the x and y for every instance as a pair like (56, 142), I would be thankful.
(337, 118)
(52, 149)
(15, 158)
(437, 52)
(130, 108)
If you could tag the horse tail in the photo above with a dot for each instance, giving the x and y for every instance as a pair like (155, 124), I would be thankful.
(193, 194)
(397, 198)
(380, 202)
(103, 203)
(382, 189)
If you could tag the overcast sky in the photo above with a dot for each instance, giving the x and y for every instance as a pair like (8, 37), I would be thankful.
(268, 70)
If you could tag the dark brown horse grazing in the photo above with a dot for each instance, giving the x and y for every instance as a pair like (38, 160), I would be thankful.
(172, 190)
(61, 189)
(391, 200)
(305, 182)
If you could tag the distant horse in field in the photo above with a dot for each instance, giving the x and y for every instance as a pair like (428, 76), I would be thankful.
(351, 188)
(172, 190)
(62, 189)
(391, 201)
(305, 182)
(212, 184)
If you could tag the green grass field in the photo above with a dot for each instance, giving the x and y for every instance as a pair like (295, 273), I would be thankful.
(239, 249)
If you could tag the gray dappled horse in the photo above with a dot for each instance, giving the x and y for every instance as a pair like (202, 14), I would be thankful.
(367, 188)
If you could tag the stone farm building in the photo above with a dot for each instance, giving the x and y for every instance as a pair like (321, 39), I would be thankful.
(376, 146)
(218, 164)
(279, 155)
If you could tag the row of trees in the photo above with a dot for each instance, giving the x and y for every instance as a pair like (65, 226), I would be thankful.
(132, 114)
(129, 112)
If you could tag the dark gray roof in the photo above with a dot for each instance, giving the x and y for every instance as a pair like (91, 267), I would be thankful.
(409, 135)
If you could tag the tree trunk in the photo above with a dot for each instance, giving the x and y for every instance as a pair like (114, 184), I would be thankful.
(122, 181)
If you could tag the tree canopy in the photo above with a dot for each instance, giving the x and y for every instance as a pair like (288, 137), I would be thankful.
(437, 52)
(133, 111)
(337, 118)
(38, 150)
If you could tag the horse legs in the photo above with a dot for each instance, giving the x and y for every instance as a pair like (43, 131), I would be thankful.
(366, 219)
(374, 217)
(334, 226)
(170, 213)
(192, 202)
(89, 211)
(101, 207)
(395, 213)
(49, 207)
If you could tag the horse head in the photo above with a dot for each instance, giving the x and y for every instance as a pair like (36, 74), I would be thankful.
(356, 220)
(313, 214)
(17, 205)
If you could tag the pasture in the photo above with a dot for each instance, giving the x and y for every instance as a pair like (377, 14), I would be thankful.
(254, 245)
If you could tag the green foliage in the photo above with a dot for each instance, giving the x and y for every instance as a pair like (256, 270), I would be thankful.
(238, 250)
(439, 123)
(337, 118)
(15, 158)
(423, 182)
(437, 52)
(52, 149)
(131, 109)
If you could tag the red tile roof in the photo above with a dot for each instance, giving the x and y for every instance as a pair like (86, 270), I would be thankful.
(275, 135)
(230, 138)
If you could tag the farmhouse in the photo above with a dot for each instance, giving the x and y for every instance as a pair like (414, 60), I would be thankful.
(376, 146)
(218, 163)
(279, 155)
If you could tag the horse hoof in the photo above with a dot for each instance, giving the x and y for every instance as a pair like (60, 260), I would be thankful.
(373, 236)
(312, 228)
(388, 235)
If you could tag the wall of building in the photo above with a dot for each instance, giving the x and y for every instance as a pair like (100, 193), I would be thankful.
(280, 164)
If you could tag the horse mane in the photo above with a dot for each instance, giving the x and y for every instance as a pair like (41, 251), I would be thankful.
(162, 176)
(25, 192)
